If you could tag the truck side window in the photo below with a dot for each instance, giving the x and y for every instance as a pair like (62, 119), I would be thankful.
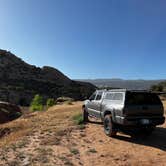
(118, 96)
(109, 96)
(99, 95)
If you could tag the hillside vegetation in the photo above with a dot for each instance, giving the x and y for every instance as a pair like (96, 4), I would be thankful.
(161, 87)
(20, 82)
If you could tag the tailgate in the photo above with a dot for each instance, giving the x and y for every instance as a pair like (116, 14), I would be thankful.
(142, 104)
(144, 110)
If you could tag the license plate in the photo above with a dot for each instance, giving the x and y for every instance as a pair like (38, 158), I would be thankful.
(145, 121)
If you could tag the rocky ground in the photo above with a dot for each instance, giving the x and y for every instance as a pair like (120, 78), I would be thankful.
(51, 138)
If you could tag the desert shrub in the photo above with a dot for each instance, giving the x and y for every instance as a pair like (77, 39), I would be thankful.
(50, 102)
(37, 103)
(161, 87)
(92, 151)
(158, 88)
(74, 151)
(78, 119)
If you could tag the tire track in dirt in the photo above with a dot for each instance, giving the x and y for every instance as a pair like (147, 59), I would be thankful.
(124, 150)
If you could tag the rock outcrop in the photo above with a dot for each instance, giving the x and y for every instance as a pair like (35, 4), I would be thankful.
(9, 112)
(19, 82)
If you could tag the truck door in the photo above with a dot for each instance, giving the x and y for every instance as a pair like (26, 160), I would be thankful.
(90, 103)
(97, 105)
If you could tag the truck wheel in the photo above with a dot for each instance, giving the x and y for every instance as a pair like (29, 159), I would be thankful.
(85, 115)
(109, 127)
(149, 130)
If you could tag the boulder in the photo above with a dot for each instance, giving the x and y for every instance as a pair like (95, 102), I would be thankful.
(9, 112)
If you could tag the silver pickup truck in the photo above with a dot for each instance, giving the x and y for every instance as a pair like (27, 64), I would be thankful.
(121, 108)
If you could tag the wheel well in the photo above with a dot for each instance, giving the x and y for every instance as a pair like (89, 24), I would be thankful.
(107, 113)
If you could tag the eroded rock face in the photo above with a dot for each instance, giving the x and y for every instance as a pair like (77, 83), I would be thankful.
(9, 112)
(19, 82)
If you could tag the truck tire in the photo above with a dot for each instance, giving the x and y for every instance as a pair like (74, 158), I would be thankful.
(85, 115)
(148, 131)
(109, 127)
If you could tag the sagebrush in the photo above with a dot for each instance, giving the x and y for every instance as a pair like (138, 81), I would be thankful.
(37, 103)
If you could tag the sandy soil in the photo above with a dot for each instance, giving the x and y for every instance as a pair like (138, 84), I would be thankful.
(52, 138)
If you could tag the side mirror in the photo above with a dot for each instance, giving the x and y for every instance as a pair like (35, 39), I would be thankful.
(90, 99)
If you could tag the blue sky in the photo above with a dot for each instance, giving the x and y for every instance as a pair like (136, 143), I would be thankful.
(88, 38)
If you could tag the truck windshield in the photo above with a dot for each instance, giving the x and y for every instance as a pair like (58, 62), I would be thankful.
(140, 98)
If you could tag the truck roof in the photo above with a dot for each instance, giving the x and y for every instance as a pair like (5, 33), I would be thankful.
(123, 90)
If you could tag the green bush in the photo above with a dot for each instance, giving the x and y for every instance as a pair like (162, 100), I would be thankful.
(78, 119)
(37, 103)
(158, 88)
(50, 102)
(74, 151)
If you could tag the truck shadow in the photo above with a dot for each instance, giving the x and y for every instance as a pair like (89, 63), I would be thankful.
(157, 139)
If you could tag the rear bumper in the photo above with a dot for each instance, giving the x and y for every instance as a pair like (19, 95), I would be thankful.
(138, 121)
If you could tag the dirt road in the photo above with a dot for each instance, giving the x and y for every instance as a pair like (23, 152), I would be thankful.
(52, 139)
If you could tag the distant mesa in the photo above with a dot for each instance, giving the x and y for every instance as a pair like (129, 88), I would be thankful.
(120, 83)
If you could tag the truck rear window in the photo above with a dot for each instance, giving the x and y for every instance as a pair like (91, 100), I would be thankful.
(135, 98)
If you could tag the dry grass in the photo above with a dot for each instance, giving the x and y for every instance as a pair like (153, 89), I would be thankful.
(52, 138)
(35, 138)
(17, 129)
(54, 119)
